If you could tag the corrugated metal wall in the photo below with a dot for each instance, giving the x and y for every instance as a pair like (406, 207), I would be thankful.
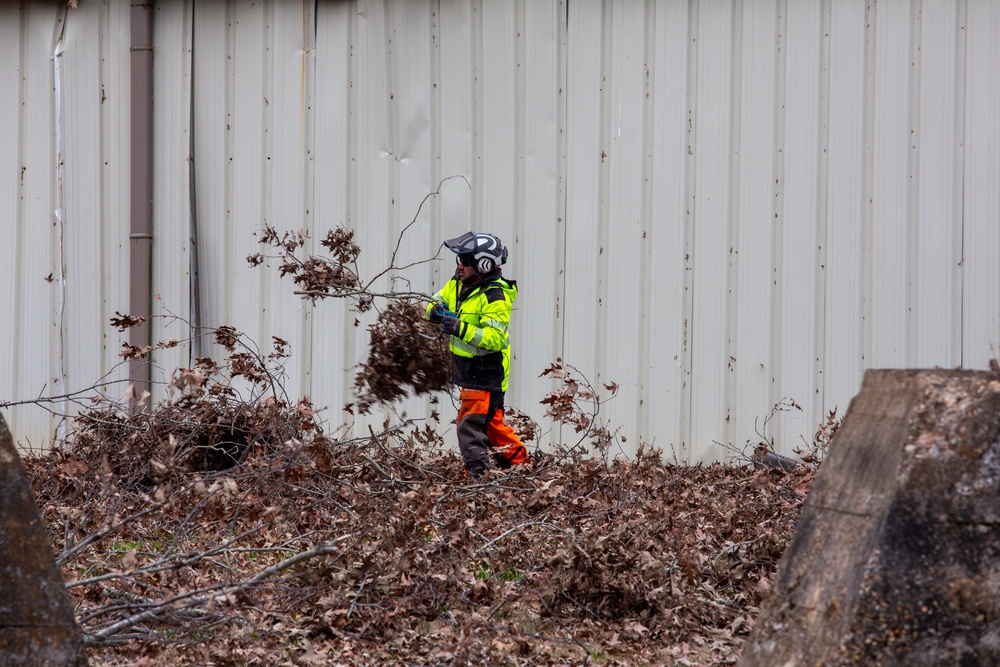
(715, 204)
(64, 193)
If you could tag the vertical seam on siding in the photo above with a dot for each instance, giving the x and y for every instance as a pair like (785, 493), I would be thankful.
(690, 175)
(562, 199)
(228, 170)
(562, 166)
(731, 316)
(822, 170)
(60, 214)
(519, 166)
(958, 310)
(645, 222)
(912, 199)
(477, 114)
(603, 187)
(868, 188)
(519, 121)
(264, 291)
(395, 141)
(308, 176)
(350, 342)
(19, 253)
(434, 221)
(777, 211)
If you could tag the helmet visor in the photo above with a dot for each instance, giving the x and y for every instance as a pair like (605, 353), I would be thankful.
(462, 245)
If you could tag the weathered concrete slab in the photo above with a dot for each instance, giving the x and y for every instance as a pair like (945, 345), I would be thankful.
(36, 617)
(896, 557)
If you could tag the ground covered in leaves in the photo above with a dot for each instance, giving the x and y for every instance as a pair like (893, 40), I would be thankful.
(180, 545)
(225, 527)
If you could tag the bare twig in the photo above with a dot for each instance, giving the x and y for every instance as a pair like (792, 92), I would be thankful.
(212, 593)
(519, 528)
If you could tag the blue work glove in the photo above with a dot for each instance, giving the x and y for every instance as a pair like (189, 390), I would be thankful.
(436, 313)
(451, 325)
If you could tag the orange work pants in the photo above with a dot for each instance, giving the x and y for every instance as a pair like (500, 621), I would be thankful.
(482, 432)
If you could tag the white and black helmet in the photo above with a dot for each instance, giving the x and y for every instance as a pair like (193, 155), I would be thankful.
(485, 251)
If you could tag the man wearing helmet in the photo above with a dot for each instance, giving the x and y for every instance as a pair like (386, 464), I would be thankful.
(474, 309)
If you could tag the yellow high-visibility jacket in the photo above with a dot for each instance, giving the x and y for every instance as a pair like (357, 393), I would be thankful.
(480, 353)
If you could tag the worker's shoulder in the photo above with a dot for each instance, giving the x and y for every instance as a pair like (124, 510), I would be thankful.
(500, 290)
(495, 293)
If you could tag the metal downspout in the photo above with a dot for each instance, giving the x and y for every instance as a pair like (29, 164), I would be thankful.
(141, 188)
(194, 326)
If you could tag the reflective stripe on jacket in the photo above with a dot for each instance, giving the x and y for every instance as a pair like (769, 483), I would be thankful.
(480, 353)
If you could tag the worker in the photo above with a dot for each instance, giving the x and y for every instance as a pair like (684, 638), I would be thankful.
(474, 308)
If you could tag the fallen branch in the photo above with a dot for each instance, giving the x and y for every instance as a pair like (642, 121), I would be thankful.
(212, 593)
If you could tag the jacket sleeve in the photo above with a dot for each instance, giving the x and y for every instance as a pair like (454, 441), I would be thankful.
(442, 297)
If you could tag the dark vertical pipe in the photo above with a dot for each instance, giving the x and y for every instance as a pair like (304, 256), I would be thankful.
(141, 188)
(194, 327)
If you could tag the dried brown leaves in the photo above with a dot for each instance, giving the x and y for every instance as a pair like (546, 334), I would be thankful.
(317, 276)
(376, 551)
(407, 354)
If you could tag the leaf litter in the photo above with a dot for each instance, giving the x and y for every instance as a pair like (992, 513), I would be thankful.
(215, 532)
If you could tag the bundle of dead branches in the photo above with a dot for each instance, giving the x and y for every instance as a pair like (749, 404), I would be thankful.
(317, 276)
(406, 354)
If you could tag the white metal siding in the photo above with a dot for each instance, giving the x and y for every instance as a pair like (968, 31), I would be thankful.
(10, 200)
(797, 346)
(715, 204)
(980, 324)
(665, 374)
